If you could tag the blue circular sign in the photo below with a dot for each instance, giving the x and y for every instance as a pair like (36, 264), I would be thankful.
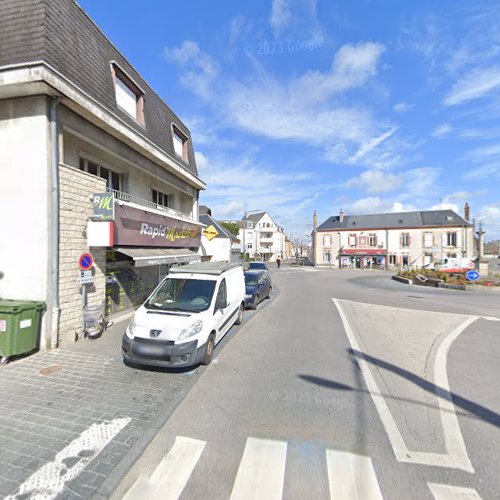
(473, 275)
(86, 261)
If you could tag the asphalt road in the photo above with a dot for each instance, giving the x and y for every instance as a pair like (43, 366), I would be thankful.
(388, 391)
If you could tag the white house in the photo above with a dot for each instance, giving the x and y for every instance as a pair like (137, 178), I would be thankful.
(261, 237)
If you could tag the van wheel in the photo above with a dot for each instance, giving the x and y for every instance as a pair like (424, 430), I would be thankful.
(209, 350)
(239, 319)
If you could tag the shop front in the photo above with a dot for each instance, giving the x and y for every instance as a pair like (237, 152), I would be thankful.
(363, 258)
(141, 247)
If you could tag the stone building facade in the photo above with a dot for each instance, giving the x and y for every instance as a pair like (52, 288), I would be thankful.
(389, 241)
(76, 120)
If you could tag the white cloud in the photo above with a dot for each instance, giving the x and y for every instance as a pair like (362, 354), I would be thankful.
(376, 181)
(477, 83)
(280, 14)
(490, 171)
(370, 144)
(442, 130)
(374, 204)
(489, 215)
(402, 107)
(446, 206)
(201, 163)
(412, 182)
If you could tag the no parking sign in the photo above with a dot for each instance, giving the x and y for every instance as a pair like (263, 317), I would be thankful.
(86, 261)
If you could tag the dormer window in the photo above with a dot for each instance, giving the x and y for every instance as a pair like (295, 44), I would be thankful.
(129, 97)
(180, 143)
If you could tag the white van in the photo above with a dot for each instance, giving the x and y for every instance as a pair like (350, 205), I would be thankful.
(186, 316)
(453, 265)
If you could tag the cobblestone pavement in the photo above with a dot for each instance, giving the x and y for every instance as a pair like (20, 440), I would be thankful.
(49, 399)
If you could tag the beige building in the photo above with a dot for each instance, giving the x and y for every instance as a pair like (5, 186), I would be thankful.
(387, 241)
(76, 120)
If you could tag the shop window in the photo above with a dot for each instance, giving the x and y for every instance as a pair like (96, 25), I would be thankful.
(405, 240)
(372, 240)
(352, 240)
(451, 239)
(160, 198)
(180, 143)
(114, 180)
(428, 240)
(129, 97)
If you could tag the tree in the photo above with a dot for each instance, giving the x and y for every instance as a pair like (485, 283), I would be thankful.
(232, 227)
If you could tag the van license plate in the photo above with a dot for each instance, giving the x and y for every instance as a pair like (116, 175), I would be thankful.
(148, 350)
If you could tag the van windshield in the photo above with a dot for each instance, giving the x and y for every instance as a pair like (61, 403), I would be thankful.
(187, 295)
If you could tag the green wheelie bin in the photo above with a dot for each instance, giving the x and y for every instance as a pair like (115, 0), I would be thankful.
(19, 327)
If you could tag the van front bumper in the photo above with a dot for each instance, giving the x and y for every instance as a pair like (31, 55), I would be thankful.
(159, 353)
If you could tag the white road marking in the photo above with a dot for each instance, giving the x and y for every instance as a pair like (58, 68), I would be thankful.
(262, 471)
(456, 456)
(351, 477)
(491, 318)
(49, 481)
(172, 474)
(446, 492)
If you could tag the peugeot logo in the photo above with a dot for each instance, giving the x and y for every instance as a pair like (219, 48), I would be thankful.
(154, 333)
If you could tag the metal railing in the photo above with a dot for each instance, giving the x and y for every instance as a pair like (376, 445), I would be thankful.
(131, 198)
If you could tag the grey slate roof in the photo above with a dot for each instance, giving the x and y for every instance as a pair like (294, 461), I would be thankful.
(429, 218)
(208, 220)
(254, 217)
(61, 34)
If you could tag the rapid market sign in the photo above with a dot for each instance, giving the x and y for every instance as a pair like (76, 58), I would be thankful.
(141, 228)
(210, 232)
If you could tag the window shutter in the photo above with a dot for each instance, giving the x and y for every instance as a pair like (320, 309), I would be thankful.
(409, 240)
(444, 239)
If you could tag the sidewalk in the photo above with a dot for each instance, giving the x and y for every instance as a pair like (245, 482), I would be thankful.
(49, 399)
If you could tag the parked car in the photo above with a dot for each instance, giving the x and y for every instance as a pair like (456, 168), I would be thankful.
(186, 316)
(258, 286)
(252, 266)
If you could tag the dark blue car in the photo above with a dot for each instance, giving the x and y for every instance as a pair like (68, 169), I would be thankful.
(258, 287)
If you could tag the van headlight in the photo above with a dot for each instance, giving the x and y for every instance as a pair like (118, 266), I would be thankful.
(191, 330)
(130, 329)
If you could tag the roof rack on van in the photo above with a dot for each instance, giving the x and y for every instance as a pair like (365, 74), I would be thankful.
(215, 268)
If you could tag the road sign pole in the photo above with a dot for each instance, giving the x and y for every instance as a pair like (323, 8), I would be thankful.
(84, 304)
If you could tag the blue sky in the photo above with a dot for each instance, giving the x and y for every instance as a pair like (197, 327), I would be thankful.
(366, 106)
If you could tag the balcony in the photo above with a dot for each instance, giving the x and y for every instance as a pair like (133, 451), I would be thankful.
(269, 240)
(264, 250)
(130, 198)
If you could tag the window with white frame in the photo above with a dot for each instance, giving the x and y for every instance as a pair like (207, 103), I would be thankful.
(180, 143)
(327, 241)
(372, 240)
(114, 180)
(160, 198)
(328, 257)
(392, 260)
(352, 240)
(249, 246)
(129, 97)
(428, 240)
(249, 225)
(451, 239)
(405, 240)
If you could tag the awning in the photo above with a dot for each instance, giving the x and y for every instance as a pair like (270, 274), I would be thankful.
(155, 256)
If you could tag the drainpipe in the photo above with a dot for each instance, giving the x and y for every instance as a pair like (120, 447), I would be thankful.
(54, 226)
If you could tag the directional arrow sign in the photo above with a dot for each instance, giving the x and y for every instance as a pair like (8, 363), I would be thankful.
(473, 275)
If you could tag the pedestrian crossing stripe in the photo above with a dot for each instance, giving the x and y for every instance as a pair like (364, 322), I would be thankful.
(261, 474)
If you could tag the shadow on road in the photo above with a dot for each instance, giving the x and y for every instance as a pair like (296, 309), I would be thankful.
(471, 409)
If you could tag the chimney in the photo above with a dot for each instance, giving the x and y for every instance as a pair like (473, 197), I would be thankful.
(315, 220)
(467, 212)
(341, 216)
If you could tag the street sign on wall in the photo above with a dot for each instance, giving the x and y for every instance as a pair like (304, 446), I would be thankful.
(104, 206)
(86, 261)
(85, 278)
